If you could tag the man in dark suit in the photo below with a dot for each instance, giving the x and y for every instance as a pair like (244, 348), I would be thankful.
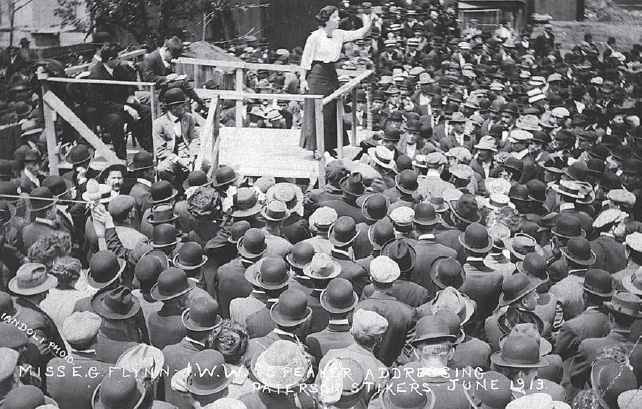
(401, 317)
(141, 168)
(199, 321)
(156, 68)
(117, 103)
(346, 205)
(610, 255)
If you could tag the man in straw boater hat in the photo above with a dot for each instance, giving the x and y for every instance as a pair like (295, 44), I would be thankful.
(280, 370)
(175, 139)
(117, 333)
(269, 278)
(338, 300)
(200, 319)
(31, 286)
(166, 326)
(382, 160)
(401, 317)
(320, 222)
(353, 187)
(291, 314)
(231, 276)
(625, 310)
(593, 322)
(569, 192)
(293, 227)
(578, 257)
(80, 331)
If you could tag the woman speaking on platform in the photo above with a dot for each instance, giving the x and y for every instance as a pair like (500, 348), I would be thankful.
(321, 53)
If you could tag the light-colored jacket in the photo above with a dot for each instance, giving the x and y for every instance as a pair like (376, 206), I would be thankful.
(165, 138)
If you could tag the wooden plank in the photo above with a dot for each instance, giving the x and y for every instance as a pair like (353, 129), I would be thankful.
(226, 94)
(238, 85)
(57, 105)
(153, 103)
(340, 127)
(99, 82)
(50, 134)
(318, 116)
(353, 134)
(348, 86)
(206, 137)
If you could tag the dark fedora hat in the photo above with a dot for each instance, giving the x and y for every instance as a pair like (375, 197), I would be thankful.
(224, 176)
(116, 304)
(165, 235)
(202, 315)
(300, 255)
(392, 134)
(112, 168)
(161, 191)
(174, 96)
(10, 188)
(516, 287)
(339, 296)
(401, 252)
(578, 250)
(426, 215)
(466, 209)
(196, 178)
(447, 272)
(519, 351)
(41, 198)
(171, 283)
(141, 160)
(432, 328)
(511, 108)
(568, 226)
(375, 207)
(161, 214)
(119, 390)
(78, 154)
(626, 303)
(598, 282)
(272, 274)
(252, 244)
(476, 238)
(291, 309)
(413, 125)
(406, 182)
(577, 171)
(190, 256)
(353, 184)
(519, 192)
(104, 269)
(343, 232)
(237, 230)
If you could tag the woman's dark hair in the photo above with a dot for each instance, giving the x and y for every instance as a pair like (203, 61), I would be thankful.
(231, 341)
(324, 15)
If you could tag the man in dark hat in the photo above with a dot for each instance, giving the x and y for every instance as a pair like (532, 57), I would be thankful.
(593, 322)
(156, 68)
(118, 105)
(624, 310)
(175, 139)
(610, 255)
(352, 187)
(31, 175)
(143, 170)
(43, 218)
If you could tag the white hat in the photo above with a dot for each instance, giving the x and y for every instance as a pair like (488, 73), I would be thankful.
(382, 156)
(384, 270)
(561, 112)
(537, 401)
(402, 215)
(608, 216)
(81, 327)
(368, 323)
(226, 403)
(8, 362)
(520, 135)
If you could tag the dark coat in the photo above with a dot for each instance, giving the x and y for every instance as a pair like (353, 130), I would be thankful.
(592, 323)
(166, 326)
(344, 208)
(72, 385)
(483, 285)
(177, 356)
(351, 271)
(401, 320)
(428, 250)
(407, 292)
(334, 336)
(231, 284)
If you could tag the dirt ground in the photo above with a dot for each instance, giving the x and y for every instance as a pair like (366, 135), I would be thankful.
(626, 33)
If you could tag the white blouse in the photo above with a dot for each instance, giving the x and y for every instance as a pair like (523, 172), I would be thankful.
(320, 47)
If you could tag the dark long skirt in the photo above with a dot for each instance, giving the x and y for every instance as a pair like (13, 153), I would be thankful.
(322, 80)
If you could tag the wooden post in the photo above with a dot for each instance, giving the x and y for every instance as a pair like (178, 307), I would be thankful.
(152, 103)
(239, 104)
(50, 133)
(197, 79)
(369, 108)
(353, 135)
(340, 127)
(318, 116)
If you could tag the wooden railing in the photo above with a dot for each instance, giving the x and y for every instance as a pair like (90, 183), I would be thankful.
(76, 69)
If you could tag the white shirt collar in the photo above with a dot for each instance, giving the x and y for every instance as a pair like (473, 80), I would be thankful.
(110, 71)
(144, 181)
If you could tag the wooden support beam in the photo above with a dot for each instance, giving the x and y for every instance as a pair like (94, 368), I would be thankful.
(348, 86)
(353, 134)
(340, 112)
(67, 114)
(235, 95)
(50, 134)
(238, 85)
(99, 82)
(318, 116)
(206, 137)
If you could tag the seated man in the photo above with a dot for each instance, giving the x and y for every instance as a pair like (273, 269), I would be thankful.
(156, 68)
(117, 104)
(175, 140)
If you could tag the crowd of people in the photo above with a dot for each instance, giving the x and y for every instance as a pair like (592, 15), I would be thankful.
(483, 250)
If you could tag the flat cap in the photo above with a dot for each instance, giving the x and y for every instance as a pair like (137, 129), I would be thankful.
(81, 327)
(402, 215)
(607, 217)
(622, 196)
(634, 241)
(384, 270)
(368, 323)
(121, 205)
